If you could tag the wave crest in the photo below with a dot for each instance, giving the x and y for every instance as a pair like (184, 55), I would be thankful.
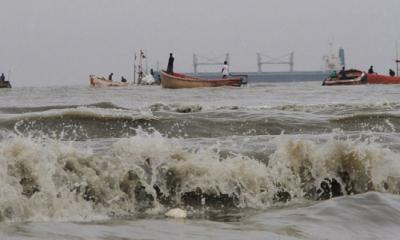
(50, 180)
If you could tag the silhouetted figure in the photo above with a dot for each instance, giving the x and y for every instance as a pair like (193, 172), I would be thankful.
(342, 73)
(371, 70)
(123, 79)
(110, 76)
(170, 68)
(225, 70)
(2, 77)
(392, 73)
(152, 72)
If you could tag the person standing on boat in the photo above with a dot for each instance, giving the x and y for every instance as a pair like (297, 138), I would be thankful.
(225, 70)
(342, 73)
(123, 79)
(371, 70)
(170, 67)
(2, 77)
(392, 73)
(110, 76)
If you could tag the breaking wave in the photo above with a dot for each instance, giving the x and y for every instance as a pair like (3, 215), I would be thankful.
(78, 123)
(45, 179)
(341, 108)
(16, 110)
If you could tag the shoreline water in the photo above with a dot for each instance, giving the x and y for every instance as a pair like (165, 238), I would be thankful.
(242, 161)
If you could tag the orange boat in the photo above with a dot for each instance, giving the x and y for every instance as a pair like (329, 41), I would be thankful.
(382, 79)
(355, 77)
(177, 80)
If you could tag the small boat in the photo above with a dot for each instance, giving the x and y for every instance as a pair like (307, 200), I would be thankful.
(177, 80)
(103, 82)
(352, 77)
(5, 84)
(382, 79)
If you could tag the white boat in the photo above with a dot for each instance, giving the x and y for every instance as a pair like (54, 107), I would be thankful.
(103, 82)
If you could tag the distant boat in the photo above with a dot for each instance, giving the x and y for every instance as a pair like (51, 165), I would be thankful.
(103, 82)
(355, 77)
(5, 84)
(352, 77)
(382, 79)
(177, 80)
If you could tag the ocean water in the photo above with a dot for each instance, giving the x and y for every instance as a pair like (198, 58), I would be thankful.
(266, 161)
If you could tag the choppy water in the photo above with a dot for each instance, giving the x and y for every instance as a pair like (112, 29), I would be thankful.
(269, 161)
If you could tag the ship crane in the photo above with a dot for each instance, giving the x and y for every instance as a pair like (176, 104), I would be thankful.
(205, 61)
(287, 59)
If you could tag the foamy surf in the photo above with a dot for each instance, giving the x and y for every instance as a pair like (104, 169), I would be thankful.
(46, 179)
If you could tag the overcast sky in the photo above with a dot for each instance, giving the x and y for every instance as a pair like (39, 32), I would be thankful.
(59, 42)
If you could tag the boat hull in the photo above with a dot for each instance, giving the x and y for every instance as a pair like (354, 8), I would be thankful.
(102, 82)
(176, 81)
(382, 79)
(5, 84)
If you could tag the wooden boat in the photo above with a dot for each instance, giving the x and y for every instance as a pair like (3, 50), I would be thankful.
(177, 80)
(354, 77)
(382, 79)
(102, 82)
(351, 77)
(5, 84)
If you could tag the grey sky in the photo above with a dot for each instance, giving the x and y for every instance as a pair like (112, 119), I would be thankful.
(59, 42)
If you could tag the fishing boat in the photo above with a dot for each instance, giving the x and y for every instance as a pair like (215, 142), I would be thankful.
(382, 79)
(5, 84)
(350, 77)
(176, 80)
(103, 82)
(355, 77)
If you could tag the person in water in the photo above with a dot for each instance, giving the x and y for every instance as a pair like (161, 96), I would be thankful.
(2, 77)
(371, 70)
(342, 73)
(123, 79)
(170, 67)
(225, 70)
(392, 73)
(110, 76)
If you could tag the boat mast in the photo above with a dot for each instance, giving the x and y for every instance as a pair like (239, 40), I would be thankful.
(134, 69)
(397, 59)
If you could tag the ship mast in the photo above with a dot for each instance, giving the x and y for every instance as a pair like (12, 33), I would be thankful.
(397, 59)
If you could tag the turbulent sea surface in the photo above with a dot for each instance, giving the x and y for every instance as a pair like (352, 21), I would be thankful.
(267, 161)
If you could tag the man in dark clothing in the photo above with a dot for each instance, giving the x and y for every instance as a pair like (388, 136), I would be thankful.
(342, 73)
(2, 77)
(371, 70)
(392, 73)
(123, 79)
(110, 76)
(170, 68)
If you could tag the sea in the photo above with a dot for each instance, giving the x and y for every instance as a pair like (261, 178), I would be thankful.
(293, 160)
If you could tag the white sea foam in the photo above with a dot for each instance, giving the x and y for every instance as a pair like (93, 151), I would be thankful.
(46, 179)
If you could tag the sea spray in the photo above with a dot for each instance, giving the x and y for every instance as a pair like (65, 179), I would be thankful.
(45, 179)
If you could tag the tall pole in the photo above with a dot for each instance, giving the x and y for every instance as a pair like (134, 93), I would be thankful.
(134, 69)
(397, 59)
(194, 63)
(291, 62)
